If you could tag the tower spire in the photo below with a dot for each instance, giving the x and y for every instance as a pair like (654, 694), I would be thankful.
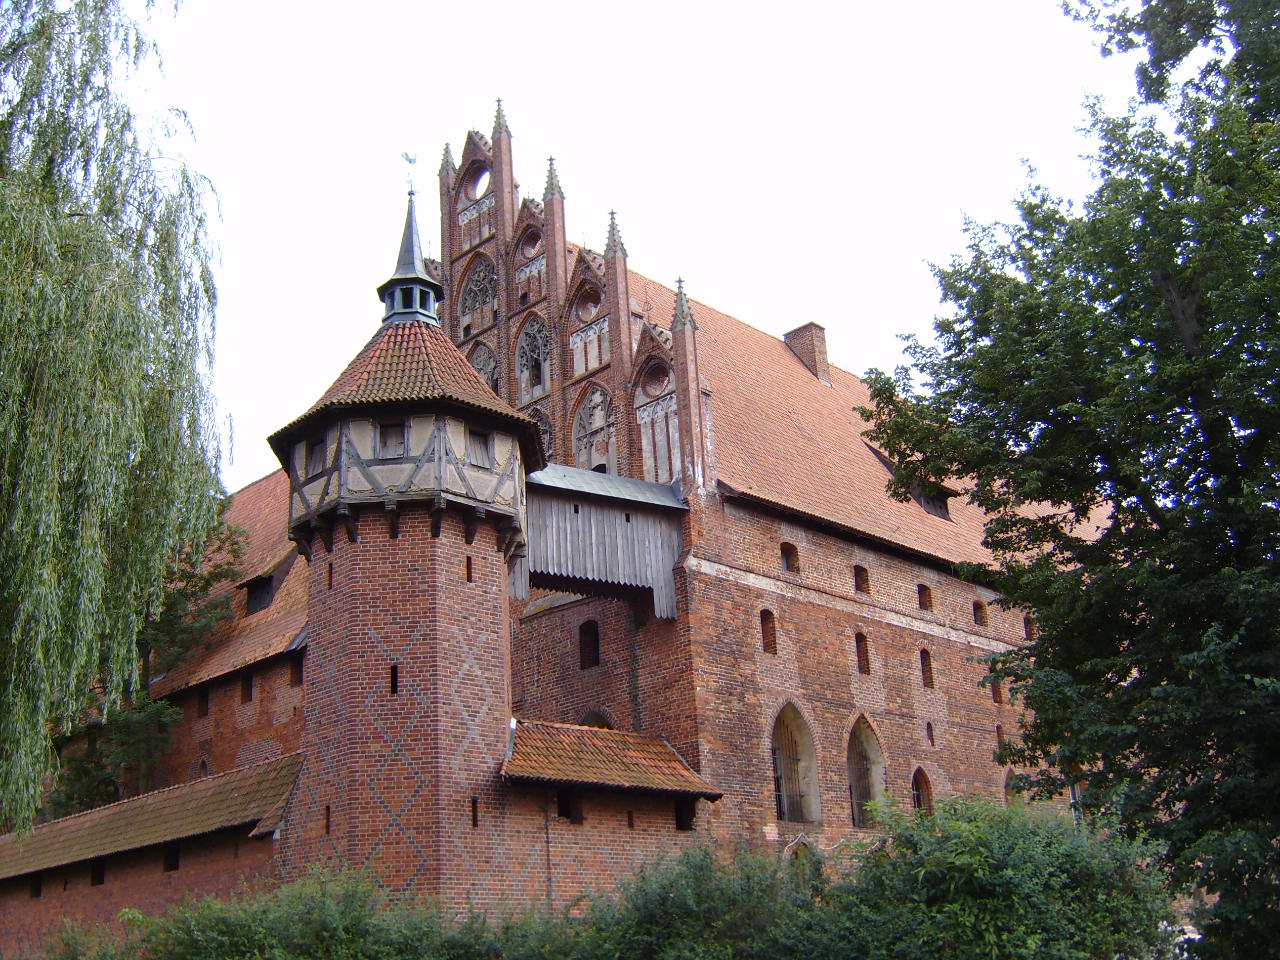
(447, 166)
(613, 246)
(500, 122)
(553, 182)
(410, 290)
(683, 315)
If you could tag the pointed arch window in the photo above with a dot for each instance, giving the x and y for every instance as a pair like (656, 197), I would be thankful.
(655, 411)
(866, 771)
(533, 360)
(478, 304)
(921, 792)
(795, 768)
(593, 442)
(486, 365)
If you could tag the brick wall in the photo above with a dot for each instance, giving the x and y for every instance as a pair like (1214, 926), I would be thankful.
(216, 864)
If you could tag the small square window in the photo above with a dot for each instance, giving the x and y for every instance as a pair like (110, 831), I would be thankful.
(316, 453)
(686, 812)
(391, 439)
(569, 806)
(480, 449)
(589, 645)
(259, 593)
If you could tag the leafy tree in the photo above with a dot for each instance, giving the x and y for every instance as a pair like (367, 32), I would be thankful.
(981, 881)
(107, 452)
(1171, 30)
(106, 758)
(1107, 383)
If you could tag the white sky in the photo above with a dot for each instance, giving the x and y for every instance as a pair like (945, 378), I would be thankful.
(792, 162)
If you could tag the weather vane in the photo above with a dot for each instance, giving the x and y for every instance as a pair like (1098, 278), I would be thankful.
(410, 159)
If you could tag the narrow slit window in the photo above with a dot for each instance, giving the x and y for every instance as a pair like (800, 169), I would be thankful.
(203, 769)
(862, 648)
(768, 632)
(588, 645)
(926, 669)
(861, 579)
(928, 734)
(393, 680)
(246, 688)
(328, 818)
(999, 736)
(202, 702)
(470, 570)
(295, 671)
(172, 856)
(997, 692)
(475, 812)
(979, 613)
(686, 812)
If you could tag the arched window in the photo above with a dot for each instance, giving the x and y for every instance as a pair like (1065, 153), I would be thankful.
(926, 669)
(866, 771)
(928, 734)
(486, 363)
(588, 645)
(997, 692)
(655, 409)
(795, 768)
(862, 649)
(533, 360)
(979, 613)
(478, 304)
(924, 597)
(768, 632)
(593, 446)
(594, 718)
(790, 558)
(861, 579)
(921, 792)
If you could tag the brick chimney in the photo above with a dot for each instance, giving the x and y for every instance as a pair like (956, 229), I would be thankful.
(809, 343)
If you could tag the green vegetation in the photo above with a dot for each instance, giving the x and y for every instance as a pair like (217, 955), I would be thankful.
(976, 882)
(107, 450)
(1106, 382)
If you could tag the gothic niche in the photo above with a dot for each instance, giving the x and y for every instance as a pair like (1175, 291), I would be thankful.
(478, 305)
(533, 360)
(486, 363)
(544, 427)
(593, 446)
(655, 408)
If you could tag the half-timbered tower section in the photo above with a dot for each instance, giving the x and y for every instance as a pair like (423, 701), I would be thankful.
(565, 570)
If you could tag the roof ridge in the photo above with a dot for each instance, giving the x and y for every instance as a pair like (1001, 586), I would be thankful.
(153, 793)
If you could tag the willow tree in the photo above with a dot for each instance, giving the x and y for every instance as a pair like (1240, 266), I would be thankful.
(107, 452)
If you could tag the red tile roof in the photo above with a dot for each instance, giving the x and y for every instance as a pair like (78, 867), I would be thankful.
(250, 795)
(785, 438)
(609, 759)
(261, 510)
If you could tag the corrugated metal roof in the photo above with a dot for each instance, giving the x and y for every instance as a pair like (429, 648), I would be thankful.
(250, 795)
(557, 476)
(544, 752)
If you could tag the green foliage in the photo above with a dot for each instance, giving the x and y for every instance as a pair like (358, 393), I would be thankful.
(1245, 32)
(1107, 383)
(978, 882)
(107, 451)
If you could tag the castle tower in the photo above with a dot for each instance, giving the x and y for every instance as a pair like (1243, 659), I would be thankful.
(407, 498)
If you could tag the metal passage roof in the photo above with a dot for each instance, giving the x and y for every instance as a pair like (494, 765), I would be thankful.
(576, 480)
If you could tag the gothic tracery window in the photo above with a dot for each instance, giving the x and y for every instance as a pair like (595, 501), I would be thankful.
(478, 305)
(655, 411)
(533, 360)
(486, 363)
(544, 427)
(593, 446)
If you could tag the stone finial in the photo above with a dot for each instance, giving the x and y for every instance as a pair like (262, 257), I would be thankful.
(447, 166)
(683, 315)
(613, 245)
(553, 182)
(500, 127)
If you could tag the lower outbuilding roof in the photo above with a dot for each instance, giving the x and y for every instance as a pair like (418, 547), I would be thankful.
(255, 795)
(562, 753)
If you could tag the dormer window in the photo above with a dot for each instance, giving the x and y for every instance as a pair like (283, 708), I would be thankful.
(259, 593)
(391, 440)
(315, 456)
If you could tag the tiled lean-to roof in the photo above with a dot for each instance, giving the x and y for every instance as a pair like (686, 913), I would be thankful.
(562, 753)
(253, 795)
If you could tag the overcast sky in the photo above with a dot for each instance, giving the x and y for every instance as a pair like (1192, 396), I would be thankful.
(793, 162)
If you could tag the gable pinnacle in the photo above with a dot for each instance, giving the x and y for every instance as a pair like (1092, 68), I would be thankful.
(553, 182)
(500, 122)
(683, 315)
(613, 245)
(447, 165)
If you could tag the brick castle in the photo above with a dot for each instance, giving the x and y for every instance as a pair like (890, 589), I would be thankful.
(565, 571)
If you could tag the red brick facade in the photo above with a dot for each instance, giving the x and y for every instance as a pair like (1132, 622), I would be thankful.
(416, 657)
